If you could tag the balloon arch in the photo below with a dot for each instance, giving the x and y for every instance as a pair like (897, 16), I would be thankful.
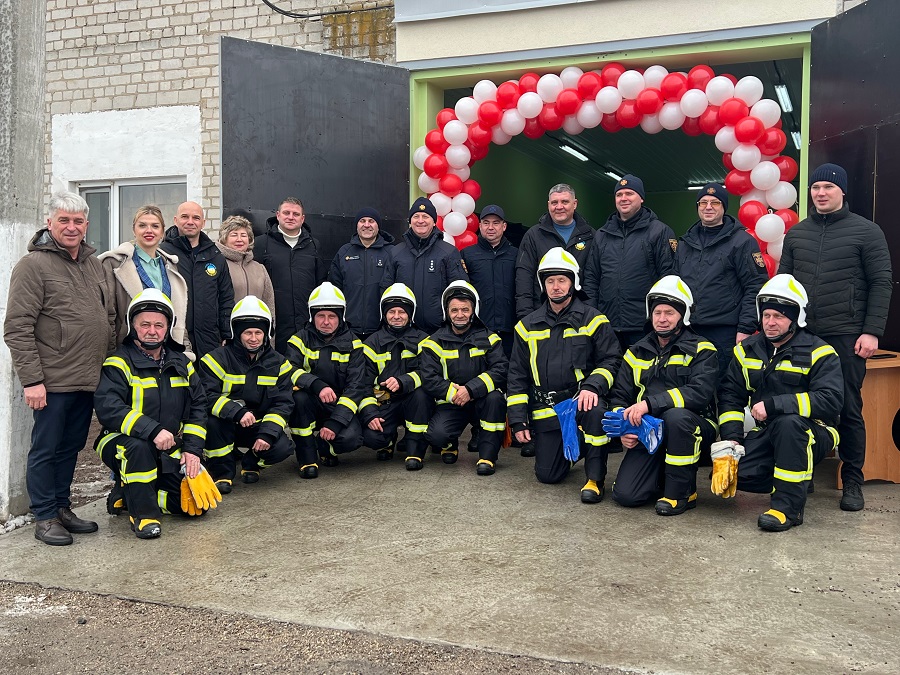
(746, 126)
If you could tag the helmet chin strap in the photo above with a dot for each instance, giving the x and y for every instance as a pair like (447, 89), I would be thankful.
(784, 335)
(562, 299)
(150, 346)
(664, 334)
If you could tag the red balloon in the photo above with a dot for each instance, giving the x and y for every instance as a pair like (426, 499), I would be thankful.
(699, 77)
(610, 123)
(444, 116)
(789, 216)
(649, 101)
(732, 111)
(726, 160)
(450, 184)
(611, 72)
(738, 182)
(480, 134)
(477, 151)
(533, 128)
(673, 86)
(772, 142)
(762, 244)
(691, 126)
(709, 121)
(508, 95)
(787, 166)
(550, 119)
(439, 223)
(778, 123)
(436, 165)
(528, 82)
(749, 129)
(771, 265)
(434, 141)
(588, 86)
(750, 212)
(731, 77)
(490, 113)
(472, 222)
(472, 188)
(568, 102)
(627, 115)
(465, 239)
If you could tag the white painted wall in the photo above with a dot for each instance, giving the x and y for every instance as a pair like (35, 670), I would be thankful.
(120, 144)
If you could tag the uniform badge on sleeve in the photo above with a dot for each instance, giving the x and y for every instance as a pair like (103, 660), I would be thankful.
(580, 246)
(674, 244)
(463, 263)
(211, 270)
(758, 259)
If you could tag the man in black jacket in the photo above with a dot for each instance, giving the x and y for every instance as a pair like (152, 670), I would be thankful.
(291, 257)
(724, 267)
(630, 253)
(210, 291)
(491, 265)
(561, 226)
(843, 261)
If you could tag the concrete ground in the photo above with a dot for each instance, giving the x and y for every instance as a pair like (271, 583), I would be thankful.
(506, 564)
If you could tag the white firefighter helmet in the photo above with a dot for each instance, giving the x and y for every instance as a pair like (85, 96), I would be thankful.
(327, 296)
(783, 288)
(151, 300)
(558, 261)
(459, 289)
(248, 309)
(402, 293)
(672, 287)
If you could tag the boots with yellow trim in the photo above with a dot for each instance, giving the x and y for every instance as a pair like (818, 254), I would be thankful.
(675, 507)
(224, 485)
(249, 476)
(146, 528)
(485, 467)
(592, 493)
(450, 454)
(776, 521)
(309, 471)
(115, 500)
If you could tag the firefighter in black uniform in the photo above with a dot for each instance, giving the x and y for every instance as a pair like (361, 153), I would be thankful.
(795, 389)
(151, 405)
(671, 374)
(329, 381)
(564, 349)
(249, 397)
(393, 385)
(463, 367)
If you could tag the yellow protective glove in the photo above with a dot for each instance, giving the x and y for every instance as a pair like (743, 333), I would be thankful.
(725, 457)
(204, 491)
(188, 505)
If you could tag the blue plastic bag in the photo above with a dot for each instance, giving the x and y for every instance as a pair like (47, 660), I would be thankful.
(650, 431)
(565, 411)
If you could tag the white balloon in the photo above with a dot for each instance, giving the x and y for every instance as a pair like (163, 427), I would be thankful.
(654, 75)
(745, 156)
(570, 77)
(725, 140)
(765, 176)
(427, 184)
(774, 248)
(749, 89)
(719, 89)
(419, 157)
(454, 223)
(463, 172)
(456, 132)
(466, 110)
(463, 203)
(693, 103)
(630, 84)
(770, 227)
(548, 87)
(449, 238)
(572, 126)
(588, 115)
(608, 100)
(754, 195)
(671, 116)
(782, 196)
(651, 124)
(458, 156)
(441, 203)
(529, 105)
(767, 110)
(512, 122)
(499, 137)
(485, 90)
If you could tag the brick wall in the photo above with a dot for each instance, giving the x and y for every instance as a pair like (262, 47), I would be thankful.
(124, 54)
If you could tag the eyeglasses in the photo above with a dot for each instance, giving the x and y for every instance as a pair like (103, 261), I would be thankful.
(714, 203)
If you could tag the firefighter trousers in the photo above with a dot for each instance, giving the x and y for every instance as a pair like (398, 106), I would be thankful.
(414, 409)
(551, 465)
(310, 414)
(223, 438)
(449, 421)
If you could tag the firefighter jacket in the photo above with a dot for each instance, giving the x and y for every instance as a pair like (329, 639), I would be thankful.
(234, 386)
(338, 363)
(390, 354)
(492, 272)
(802, 377)
(474, 360)
(682, 374)
(139, 398)
(363, 274)
(575, 349)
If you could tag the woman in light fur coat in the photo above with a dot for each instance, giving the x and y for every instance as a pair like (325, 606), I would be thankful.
(139, 264)
(248, 276)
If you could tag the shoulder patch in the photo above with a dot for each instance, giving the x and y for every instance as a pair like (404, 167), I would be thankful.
(211, 270)
(580, 246)
(674, 244)
(462, 261)
(758, 259)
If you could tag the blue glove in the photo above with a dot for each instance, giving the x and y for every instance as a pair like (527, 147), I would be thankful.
(565, 411)
(615, 424)
(649, 432)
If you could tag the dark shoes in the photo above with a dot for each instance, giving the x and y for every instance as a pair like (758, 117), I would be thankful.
(329, 460)
(675, 507)
(776, 521)
(485, 467)
(147, 528)
(224, 485)
(384, 455)
(309, 471)
(527, 449)
(592, 493)
(52, 532)
(74, 524)
(115, 500)
(413, 463)
(852, 499)
(249, 476)
(449, 456)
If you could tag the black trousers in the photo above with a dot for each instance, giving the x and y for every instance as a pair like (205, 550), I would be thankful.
(551, 465)
(852, 428)
(449, 421)
(414, 410)
(672, 470)
(310, 414)
(223, 438)
(780, 457)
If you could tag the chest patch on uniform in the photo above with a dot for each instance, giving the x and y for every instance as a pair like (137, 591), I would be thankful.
(211, 270)
(758, 259)
(352, 257)
(431, 265)
(463, 263)
(579, 246)
(674, 244)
